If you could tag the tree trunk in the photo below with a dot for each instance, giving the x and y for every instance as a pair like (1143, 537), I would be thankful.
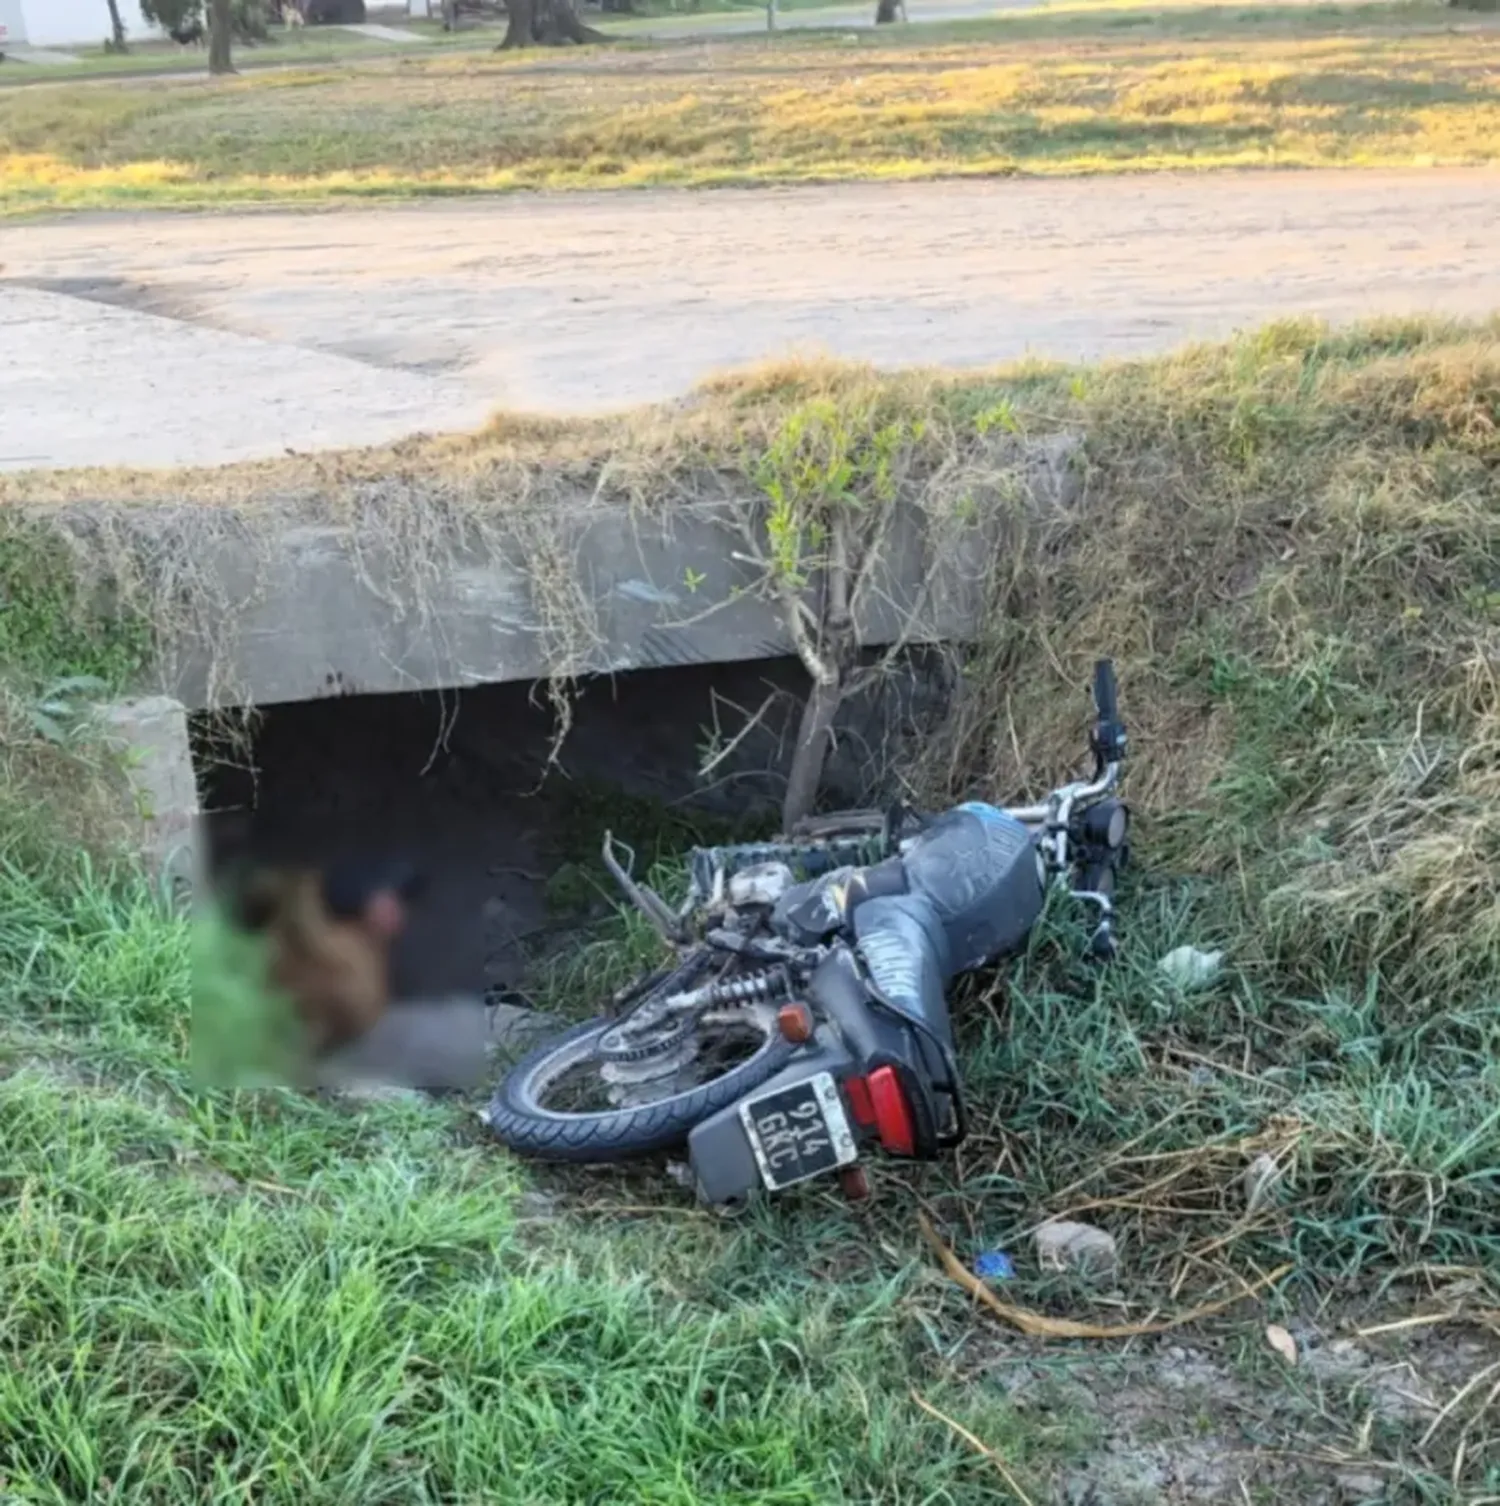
(545, 23)
(829, 665)
(887, 11)
(117, 25)
(450, 15)
(814, 737)
(517, 25)
(220, 25)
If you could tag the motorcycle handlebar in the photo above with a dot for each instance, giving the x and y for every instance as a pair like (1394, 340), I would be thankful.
(1106, 692)
(1068, 794)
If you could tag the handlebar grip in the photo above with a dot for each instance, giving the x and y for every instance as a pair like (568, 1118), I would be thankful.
(1106, 697)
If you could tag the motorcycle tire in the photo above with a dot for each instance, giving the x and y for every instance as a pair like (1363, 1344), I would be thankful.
(519, 1120)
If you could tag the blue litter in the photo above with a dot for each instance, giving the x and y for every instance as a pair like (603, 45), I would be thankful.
(994, 1265)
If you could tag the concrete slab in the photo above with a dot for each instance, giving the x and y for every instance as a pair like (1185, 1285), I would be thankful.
(289, 609)
(152, 736)
(43, 57)
(85, 384)
(383, 33)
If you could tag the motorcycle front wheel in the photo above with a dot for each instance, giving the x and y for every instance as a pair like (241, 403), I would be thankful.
(554, 1104)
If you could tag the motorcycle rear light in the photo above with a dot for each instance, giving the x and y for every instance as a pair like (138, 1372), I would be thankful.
(892, 1113)
(878, 1102)
(857, 1090)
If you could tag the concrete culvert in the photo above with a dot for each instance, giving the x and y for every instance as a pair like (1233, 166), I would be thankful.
(503, 823)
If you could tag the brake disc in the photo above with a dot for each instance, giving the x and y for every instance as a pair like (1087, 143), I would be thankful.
(632, 1083)
(624, 1046)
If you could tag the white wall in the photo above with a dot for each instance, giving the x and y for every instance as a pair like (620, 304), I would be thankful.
(79, 23)
(12, 24)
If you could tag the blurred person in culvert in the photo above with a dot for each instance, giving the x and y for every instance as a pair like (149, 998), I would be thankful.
(330, 932)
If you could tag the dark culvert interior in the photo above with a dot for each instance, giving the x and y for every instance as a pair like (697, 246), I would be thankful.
(458, 783)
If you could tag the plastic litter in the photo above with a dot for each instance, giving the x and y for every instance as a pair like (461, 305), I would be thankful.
(994, 1265)
(1187, 967)
(1261, 1179)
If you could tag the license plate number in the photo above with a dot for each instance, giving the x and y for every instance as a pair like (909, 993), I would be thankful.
(799, 1131)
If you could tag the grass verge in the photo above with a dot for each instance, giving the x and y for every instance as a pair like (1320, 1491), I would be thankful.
(1063, 92)
(318, 47)
(1291, 543)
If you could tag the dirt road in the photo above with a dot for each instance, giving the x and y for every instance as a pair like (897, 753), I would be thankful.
(240, 335)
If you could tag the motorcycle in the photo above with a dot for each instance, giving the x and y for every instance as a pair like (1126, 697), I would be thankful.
(804, 1018)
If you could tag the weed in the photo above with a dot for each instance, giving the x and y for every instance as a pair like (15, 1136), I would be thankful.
(58, 623)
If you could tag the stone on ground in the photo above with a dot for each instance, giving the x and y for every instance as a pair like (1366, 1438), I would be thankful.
(1065, 1246)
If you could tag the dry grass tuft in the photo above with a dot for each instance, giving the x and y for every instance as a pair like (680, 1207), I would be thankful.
(1292, 543)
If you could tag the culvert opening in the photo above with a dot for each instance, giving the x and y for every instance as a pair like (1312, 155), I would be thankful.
(458, 784)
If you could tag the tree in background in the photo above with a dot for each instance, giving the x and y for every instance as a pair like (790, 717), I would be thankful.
(545, 23)
(170, 15)
(116, 27)
(220, 30)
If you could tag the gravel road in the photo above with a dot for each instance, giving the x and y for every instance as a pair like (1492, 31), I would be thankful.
(173, 339)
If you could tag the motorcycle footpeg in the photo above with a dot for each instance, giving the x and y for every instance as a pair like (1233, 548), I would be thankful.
(1103, 945)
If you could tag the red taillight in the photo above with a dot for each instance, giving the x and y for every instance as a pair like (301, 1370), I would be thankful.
(892, 1115)
(878, 1102)
(860, 1105)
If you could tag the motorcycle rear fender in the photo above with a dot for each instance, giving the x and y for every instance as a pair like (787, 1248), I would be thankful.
(851, 1040)
(723, 1164)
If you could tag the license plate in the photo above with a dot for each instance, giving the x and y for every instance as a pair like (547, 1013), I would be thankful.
(799, 1131)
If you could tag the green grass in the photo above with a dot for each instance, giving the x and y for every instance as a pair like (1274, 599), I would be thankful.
(316, 47)
(208, 1294)
(1292, 548)
(1056, 92)
(48, 629)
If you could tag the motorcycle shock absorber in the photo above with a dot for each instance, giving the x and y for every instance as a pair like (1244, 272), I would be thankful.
(664, 1024)
(764, 987)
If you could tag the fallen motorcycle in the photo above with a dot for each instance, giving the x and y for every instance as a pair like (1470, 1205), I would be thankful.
(804, 1018)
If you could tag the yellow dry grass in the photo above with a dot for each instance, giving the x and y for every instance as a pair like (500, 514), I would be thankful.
(1063, 93)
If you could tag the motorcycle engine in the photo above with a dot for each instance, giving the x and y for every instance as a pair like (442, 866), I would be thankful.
(760, 886)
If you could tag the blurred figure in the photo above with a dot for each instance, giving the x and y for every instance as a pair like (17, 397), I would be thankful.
(326, 934)
(329, 933)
